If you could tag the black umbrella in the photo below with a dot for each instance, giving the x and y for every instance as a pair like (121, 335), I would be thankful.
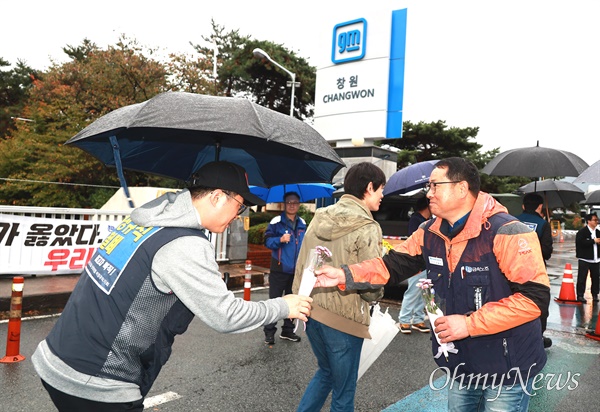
(409, 178)
(592, 198)
(555, 192)
(590, 175)
(173, 134)
(535, 162)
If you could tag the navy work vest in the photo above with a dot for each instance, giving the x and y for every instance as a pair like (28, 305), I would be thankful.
(477, 280)
(117, 324)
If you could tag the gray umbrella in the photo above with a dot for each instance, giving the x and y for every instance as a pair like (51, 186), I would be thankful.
(555, 192)
(592, 198)
(535, 162)
(590, 175)
(173, 134)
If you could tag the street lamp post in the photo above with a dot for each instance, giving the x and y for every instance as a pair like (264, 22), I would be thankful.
(260, 53)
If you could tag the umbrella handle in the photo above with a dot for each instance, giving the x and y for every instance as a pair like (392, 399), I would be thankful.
(119, 166)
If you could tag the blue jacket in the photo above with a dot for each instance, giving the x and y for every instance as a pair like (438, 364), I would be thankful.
(542, 228)
(284, 255)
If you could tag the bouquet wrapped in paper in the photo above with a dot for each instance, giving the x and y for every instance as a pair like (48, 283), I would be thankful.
(434, 312)
(315, 259)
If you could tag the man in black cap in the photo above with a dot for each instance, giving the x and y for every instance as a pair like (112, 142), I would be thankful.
(142, 287)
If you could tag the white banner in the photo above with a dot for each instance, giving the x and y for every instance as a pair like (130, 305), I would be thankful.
(30, 245)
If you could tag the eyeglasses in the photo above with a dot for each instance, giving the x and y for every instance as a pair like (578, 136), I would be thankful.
(292, 203)
(242, 208)
(432, 186)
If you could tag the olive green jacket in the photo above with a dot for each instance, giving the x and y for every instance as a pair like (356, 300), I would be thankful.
(349, 231)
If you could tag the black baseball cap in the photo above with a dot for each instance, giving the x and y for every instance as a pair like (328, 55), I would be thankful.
(227, 176)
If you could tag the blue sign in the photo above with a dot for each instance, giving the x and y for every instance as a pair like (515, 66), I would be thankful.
(349, 41)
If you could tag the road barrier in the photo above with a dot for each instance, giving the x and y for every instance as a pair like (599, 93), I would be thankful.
(13, 335)
(247, 279)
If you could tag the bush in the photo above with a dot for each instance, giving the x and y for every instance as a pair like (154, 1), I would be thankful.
(256, 233)
(257, 218)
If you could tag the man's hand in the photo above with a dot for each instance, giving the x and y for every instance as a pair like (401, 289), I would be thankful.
(328, 276)
(451, 327)
(299, 306)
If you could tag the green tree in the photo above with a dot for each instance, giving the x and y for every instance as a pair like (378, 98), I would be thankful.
(430, 141)
(14, 88)
(242, 74)
(68, 98)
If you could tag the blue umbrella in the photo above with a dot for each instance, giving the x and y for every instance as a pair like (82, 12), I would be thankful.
(409, 178)
(307, 191)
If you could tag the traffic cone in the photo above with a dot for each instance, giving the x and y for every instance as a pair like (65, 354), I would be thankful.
(13, 335)
(567, 289)
(596, 334)
(562, 238)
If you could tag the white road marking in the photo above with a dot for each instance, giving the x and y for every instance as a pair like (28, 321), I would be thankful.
(160, 399)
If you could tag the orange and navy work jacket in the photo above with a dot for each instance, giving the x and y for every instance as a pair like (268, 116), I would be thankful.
(492, 271)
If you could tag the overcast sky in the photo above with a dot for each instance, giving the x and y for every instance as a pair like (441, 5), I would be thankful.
(521, 71)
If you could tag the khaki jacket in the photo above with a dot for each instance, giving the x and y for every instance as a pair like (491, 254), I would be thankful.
(349, 231)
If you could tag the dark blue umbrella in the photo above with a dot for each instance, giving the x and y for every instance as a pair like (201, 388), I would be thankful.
(306, 191)
(173, 134)
(409, 178)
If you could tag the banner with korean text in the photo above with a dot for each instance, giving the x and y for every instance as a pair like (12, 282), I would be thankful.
(32, 245)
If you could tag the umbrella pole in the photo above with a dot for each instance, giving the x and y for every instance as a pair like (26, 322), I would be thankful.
(547, 211)
(119, 166)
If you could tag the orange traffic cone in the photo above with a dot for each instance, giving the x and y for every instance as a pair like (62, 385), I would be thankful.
(567, 289)
(596, 334)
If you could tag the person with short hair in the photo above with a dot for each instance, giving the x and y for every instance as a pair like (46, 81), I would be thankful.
(142, 288)
(532, 217)
(340, 321)
(284, 237)
(487, 269)
(587, 253)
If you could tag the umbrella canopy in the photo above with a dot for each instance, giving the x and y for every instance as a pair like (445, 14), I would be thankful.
(306, 191)
(555, 192)
(592, 198)
(173, 134)
(590, 175)
(535, 162)
(409, 178)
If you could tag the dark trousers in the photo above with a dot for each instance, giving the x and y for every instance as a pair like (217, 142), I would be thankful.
(69, 403)
(582, 270)
(280, 284)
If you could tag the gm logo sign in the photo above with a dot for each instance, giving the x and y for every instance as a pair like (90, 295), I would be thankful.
(349, 41)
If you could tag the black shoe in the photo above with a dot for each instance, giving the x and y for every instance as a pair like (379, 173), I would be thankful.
(270, 340)
(595, 298)
(547, 342)
(581, 299)
(289, 336)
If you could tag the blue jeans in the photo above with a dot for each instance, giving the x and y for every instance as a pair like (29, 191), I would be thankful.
(338, 357)
(507, 398)
(413, 307)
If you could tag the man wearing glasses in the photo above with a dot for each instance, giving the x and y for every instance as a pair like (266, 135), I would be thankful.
(586, 250)
(142, 287)
(284, 237)
(488, 272)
